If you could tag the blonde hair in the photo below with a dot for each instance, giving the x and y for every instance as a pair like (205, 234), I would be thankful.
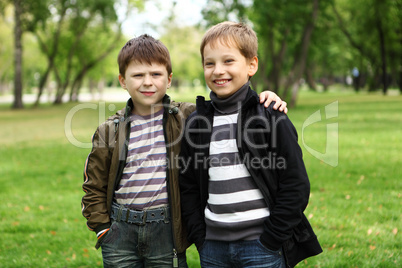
(232, 34)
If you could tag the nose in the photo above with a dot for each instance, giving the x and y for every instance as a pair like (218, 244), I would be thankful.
(218, 70)
(147, 80)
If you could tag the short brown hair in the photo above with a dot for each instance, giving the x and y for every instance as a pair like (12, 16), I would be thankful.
(232, 33)
(144, 49)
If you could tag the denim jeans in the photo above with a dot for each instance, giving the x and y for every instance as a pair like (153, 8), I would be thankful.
(251, 254)
(131, 245)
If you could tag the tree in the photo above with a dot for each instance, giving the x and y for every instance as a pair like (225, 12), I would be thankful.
(300, 58)
(6, 49)
(373, 29)
(216, 11)
(185, 56)
(285, 33)
(83, 33)
(26, 13)
(73, 22)
(17, 104)
(50, 51)
(330, 57)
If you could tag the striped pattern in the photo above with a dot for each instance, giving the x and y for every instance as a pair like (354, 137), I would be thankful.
(236, 208)
(143, 184)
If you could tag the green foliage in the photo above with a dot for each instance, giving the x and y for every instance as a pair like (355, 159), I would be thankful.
(107, 69)
(325, 56)
(216, 11)
(34, 63)
(183, 44)
(361, 22)
(6, 47)
(276, 23)
(34, 13)
(72, 36)
(354, 207)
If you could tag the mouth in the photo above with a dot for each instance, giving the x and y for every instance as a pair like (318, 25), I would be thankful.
(148, 93)
(222, 82)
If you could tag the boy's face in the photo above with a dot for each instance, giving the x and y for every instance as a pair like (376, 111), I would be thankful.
(226, 70)
(146, 84)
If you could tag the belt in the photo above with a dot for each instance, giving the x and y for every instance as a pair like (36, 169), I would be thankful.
(139, 217)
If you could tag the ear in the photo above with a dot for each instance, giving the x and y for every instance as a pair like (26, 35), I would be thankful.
(170, 80)
(253, 66)
(122, 81)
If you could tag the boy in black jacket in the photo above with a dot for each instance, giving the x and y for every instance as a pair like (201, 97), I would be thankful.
(244, 186)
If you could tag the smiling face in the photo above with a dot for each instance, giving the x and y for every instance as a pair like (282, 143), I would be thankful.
(147, 85)
(226, 70)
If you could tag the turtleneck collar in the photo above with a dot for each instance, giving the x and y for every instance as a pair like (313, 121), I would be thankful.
(232, 103)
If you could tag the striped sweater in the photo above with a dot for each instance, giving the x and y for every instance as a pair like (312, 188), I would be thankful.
(236, 208)
(143, 184)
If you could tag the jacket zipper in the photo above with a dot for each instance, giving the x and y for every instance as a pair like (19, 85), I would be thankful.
(175, 258)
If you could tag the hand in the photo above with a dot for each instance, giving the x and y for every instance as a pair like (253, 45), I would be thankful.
(267, 97)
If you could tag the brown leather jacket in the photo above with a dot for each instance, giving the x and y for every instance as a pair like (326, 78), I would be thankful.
(105, 164)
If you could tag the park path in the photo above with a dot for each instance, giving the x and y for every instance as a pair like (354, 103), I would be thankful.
(107, 95)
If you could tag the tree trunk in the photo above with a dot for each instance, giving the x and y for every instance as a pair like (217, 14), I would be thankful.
(299, 64)
(295, 91)
(383, 55)
(62, 90)
(51, 55)
(61, 87)
(278, 62)
(76, 85)
(262, 74)
(75, 88)
(17, 56)
(42, 83)
(363, 50)
(310, 79)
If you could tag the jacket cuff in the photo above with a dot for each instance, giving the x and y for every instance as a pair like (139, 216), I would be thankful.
(102, 227)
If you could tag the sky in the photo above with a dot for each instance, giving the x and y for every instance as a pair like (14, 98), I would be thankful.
(188, 12)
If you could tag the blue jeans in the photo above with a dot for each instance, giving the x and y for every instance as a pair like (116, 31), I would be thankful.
(131, 245)
(251, 254)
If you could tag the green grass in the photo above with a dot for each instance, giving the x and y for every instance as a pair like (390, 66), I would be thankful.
(355, 207)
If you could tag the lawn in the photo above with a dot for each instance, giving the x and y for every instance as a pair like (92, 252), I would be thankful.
(355, 203)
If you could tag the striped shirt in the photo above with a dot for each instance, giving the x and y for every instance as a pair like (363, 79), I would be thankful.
(143, 183)
(236, 208)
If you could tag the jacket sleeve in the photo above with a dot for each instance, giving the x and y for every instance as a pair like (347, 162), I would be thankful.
(190, 190)
(94, 205)
(293, 186)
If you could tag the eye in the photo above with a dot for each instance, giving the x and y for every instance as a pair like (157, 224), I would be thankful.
(157, 74)
(208, 64)
(137, 75)
(229, 60)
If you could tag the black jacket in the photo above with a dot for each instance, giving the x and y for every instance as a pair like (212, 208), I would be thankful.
(267, 144)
